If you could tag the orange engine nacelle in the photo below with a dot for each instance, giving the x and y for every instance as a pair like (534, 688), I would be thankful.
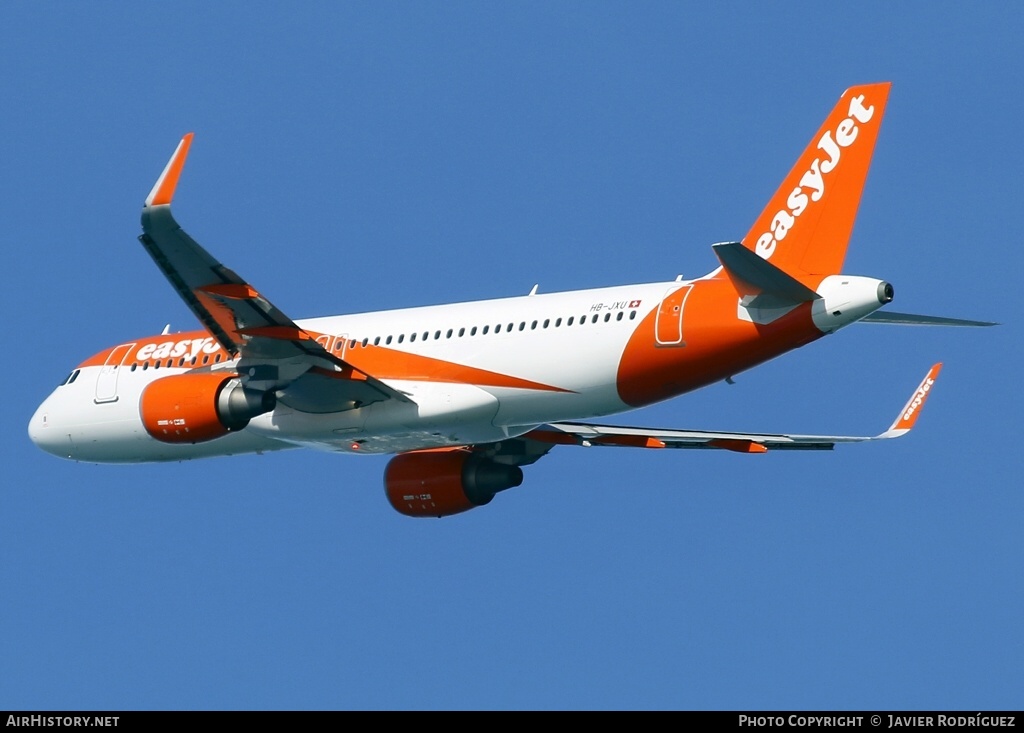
(438, 483)
(193, 408)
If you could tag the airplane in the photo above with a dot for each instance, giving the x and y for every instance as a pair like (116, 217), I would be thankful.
(467, 394)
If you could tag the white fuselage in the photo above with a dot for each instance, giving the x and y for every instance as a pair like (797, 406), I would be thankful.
(471, 373)
(528, 339)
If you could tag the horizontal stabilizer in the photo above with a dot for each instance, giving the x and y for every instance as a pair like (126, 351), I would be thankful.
(757, 273)
(910, 319)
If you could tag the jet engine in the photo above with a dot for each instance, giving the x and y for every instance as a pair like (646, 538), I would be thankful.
(194, 408)
(445, 481)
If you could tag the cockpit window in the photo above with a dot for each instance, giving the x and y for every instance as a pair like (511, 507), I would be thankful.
(71, 377)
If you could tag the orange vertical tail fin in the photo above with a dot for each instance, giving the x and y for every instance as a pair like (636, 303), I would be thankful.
(806, 225)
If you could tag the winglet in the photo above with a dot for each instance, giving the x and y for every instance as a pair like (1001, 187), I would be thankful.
(908, 415)
(163, 190)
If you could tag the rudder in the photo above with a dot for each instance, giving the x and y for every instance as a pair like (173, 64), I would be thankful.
(806, 226)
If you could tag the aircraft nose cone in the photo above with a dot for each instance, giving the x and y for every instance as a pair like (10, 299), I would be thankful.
(44, 434)
(37, 426)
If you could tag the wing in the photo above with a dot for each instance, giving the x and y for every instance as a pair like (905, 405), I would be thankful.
(273, 352)
(586, 434)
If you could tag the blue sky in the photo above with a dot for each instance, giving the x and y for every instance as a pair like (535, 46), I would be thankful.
(357, 156)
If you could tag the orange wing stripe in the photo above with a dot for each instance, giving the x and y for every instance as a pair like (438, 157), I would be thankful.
(231, 290)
